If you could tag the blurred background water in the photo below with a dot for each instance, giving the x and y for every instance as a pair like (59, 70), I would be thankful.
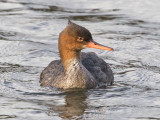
(29, 32)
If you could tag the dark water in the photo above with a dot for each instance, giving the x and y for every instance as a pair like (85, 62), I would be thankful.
(29, 32)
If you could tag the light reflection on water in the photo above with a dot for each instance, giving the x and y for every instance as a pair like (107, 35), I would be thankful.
(28, 42)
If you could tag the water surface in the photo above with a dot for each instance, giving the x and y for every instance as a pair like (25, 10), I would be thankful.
(28, 42)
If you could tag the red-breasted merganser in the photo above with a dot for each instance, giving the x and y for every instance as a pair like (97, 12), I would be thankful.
(76, 69)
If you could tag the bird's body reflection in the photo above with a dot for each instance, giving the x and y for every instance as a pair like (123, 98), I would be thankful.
(75, 105)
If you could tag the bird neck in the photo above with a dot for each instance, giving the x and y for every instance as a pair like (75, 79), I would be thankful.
(70, 58)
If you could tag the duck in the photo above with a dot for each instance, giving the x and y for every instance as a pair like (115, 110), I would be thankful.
(77, 69)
